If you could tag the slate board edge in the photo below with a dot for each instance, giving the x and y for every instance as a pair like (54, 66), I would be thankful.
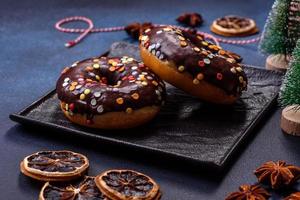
(21, 118)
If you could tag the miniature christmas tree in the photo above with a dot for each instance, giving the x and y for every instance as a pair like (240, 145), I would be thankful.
(290, 95)
(290, 92)
(293, 25)
(281, 32)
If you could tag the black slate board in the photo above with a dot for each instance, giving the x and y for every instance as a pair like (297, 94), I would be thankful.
(185, 129)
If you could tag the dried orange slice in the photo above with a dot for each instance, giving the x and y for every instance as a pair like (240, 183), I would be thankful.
(83, 189)
(127, 185)
(54, 165)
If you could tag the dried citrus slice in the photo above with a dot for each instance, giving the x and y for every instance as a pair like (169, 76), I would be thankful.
(83, 189)
(54, 165)
(127, 185)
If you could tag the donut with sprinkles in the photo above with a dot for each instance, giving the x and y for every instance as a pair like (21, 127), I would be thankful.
(110, 93)
(193, 64)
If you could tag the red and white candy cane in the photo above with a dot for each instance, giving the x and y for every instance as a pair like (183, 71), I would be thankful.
(91, 29)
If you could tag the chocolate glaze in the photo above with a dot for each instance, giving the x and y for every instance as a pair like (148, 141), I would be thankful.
(197, 56)
(99, 85)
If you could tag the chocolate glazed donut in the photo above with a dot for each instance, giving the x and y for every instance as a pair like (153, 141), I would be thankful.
(192, 64)
(110, 93)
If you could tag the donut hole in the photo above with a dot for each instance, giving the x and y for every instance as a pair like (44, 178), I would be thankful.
(105, 77)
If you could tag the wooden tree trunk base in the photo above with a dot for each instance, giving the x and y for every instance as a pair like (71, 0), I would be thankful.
(277, 62)
(290, 120)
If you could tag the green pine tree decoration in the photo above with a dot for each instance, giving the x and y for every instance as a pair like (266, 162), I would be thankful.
(293, 25)
(290, 96)
(290, 90)
(282, 29)
(275, 31)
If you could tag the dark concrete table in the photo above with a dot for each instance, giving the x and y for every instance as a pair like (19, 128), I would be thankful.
(32, 55)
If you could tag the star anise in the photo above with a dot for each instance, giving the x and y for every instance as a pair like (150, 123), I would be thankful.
(190, 19)
(134, 29)
(249, 192)
(294, 196)
(277, 174)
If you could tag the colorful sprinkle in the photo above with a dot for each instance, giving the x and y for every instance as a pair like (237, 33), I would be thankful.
(153, 52)
(72, 87)
(196, 49)
(204, 52)
(204, 43)
(231, 60)
(93, 102)
(142, 77)
(120, 100)
(201, 63)
(157, 45)
(151, 47)
(181, 38)
(222, 52)
(216, 48)
(196, 81)
(161, 57)
(96, 66)
(135, 96)
(65, 70)
(121, 69)
(178, 31)
(74, 83)
(82, 96)
(87, 91)
(183, 44)
(200, 76)
(129, 110)
(144, 37)
(210, 56)
(199, 37)
(155, 83)
(100, 109)
(211, 46)
(206, 61)
(149, 77)
(233, 70)
(239, 69)
(74, 64)
(157, 54)
(78, 86)
(71, 106)
(65, 84)
(241, 79)
(167, 29)
(219, 76)
(181, 68)
(112, 69)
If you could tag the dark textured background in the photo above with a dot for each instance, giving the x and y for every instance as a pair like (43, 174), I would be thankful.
(32, 55)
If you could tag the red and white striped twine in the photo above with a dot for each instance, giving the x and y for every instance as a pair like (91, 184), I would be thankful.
(91, 29)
